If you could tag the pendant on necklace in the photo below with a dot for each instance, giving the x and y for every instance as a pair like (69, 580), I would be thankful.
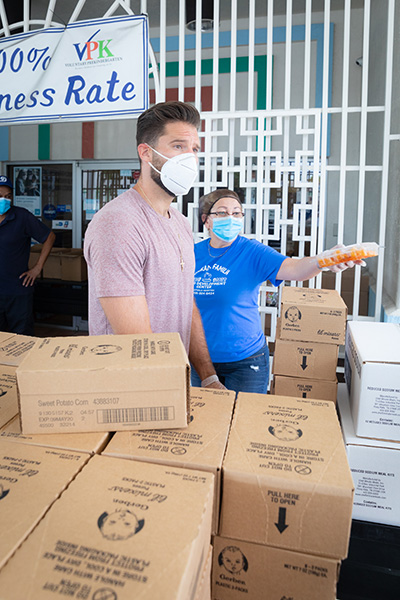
(182, 263)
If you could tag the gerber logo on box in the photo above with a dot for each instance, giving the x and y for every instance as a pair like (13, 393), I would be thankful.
(313, 315)
(245, 570)
(104, 383)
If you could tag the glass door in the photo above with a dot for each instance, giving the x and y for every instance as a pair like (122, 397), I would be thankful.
(101, 183)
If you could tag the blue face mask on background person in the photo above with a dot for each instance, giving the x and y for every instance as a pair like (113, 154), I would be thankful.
(5, 204)
(228, 228)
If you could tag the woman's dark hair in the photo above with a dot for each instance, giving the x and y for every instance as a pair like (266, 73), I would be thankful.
(207, 201)
(151, 123)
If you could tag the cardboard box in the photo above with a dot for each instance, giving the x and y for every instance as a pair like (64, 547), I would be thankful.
(204, 588)
(8, 394)
(80, 442)
(312, 315)
(62, 263)
(245, 570)
(14, 348)
(308, 360)
(304, 388)
(73, 265)
(286, 479)
(30, 481)
(123, 529)
(375, 466)
(52, 266)
(34, 255)
(201, 446)
(372, 373)
(104, 383)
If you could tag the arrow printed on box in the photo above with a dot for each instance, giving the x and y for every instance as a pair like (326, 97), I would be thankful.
(304, 364)
(281, 524)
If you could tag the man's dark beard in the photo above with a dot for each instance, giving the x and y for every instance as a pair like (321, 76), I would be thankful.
(156, 176)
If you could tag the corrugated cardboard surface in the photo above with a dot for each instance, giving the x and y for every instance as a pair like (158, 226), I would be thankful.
(80, 442)
(312, 315)
(31, 478)
(104, 383)
(122, 528)
(203, 591)
(14, 348)
(73, 265)
(286, 478)
(200, 446)
(372, 372)
(308, 360)
(246, 570)
(375, 467)
(62, 263)
(305, 388)
(8, 394)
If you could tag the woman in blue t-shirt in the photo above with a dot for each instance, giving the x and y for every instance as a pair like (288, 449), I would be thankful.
(229, 271)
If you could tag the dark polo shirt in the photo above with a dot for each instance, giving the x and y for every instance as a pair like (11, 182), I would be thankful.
(16, 231)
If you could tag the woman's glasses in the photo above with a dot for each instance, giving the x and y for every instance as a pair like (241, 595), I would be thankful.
(221, 214)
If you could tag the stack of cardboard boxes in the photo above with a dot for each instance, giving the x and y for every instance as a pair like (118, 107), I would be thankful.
(286, 502)
(369, 408)
(136, 520)
(311, 327)
(67, 264)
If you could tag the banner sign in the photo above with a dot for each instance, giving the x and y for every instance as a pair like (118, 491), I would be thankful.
(89, 70)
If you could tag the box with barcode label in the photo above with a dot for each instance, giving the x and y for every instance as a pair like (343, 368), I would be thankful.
(104, 383)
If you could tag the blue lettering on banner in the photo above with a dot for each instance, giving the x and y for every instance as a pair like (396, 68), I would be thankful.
(77, 85)
(46, 64)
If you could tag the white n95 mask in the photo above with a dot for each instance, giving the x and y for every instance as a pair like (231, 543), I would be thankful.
(178, 173)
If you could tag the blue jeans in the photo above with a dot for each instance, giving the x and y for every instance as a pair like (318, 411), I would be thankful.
(247, 375)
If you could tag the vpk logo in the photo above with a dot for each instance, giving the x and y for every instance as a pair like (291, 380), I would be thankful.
(99, 47)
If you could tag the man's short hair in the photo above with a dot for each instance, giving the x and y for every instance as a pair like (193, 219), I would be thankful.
(207, 201)
(151, 123)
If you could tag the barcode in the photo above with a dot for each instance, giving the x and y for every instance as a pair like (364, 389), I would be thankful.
(135, 415)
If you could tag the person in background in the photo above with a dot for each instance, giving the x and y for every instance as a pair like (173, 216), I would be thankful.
(139, 249)
(229, 271)
(17, 228)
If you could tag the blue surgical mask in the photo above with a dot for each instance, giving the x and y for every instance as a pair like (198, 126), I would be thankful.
(228, 228)
(5, 204)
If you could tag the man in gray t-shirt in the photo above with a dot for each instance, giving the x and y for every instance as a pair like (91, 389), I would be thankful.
(139, 249)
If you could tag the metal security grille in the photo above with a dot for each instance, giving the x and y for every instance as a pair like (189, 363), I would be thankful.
(296, 102)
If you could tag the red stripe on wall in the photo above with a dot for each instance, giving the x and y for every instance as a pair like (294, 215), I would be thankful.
(88, 139)
(172, 94)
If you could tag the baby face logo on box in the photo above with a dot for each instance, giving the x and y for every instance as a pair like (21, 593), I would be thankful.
(233, 560)
(119, 525)
(106, 349)
(286, 433)
(293, 314)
